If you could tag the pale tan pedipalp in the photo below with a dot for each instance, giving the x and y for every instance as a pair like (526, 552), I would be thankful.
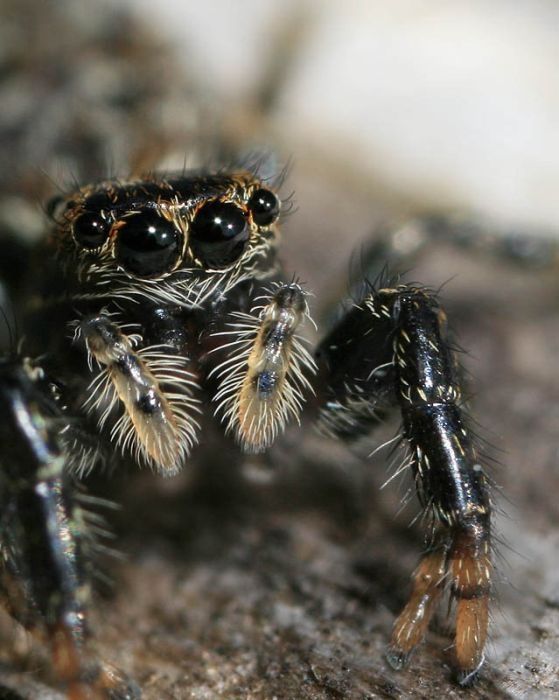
(154, 388)
(264, 376)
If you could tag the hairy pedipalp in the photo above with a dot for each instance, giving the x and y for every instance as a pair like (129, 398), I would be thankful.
(264, 377)
(153, 386)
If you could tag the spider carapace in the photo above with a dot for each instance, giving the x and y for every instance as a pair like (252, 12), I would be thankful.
(156, 303)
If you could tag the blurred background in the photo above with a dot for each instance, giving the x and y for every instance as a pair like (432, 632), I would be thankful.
(438, 101)
(383, 108)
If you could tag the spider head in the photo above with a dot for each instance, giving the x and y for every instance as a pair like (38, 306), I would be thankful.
(174, 239)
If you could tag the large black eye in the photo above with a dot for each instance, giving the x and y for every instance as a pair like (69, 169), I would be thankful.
(219, 233)
(90, 230)
(265, 207)
(147, 244)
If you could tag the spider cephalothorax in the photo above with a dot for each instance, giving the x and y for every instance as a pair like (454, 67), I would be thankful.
(150, 266)
(176, 239)
(158, 307)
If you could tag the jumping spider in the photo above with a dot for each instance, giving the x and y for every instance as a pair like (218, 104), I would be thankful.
(158, 301)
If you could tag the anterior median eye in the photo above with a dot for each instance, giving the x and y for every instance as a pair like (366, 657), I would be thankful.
(90, 230)
(147, 245)
(219, 233)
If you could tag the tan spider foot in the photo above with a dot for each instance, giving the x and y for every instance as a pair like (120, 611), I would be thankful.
(412, 623)
(468, 567)
(102, 682)
(86, 679)
(113, 684)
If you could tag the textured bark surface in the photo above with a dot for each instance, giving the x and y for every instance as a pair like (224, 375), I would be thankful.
(279, 577)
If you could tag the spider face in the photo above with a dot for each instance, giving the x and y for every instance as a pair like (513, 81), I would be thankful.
(174, 238)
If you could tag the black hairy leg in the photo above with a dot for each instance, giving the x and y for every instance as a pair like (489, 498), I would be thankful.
(391, 350)
(43, 534)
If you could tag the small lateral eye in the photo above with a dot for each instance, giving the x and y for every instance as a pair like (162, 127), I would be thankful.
(219, 233)
(265, 207)
(147, 245)
(90, 230)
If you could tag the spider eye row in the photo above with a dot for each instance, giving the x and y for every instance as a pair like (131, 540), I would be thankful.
(149, 245)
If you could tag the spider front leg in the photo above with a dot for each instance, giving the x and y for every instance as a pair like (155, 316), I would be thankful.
(391, 350)
(42, 584)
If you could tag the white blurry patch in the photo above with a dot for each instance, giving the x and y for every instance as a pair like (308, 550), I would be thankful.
(445, 101)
